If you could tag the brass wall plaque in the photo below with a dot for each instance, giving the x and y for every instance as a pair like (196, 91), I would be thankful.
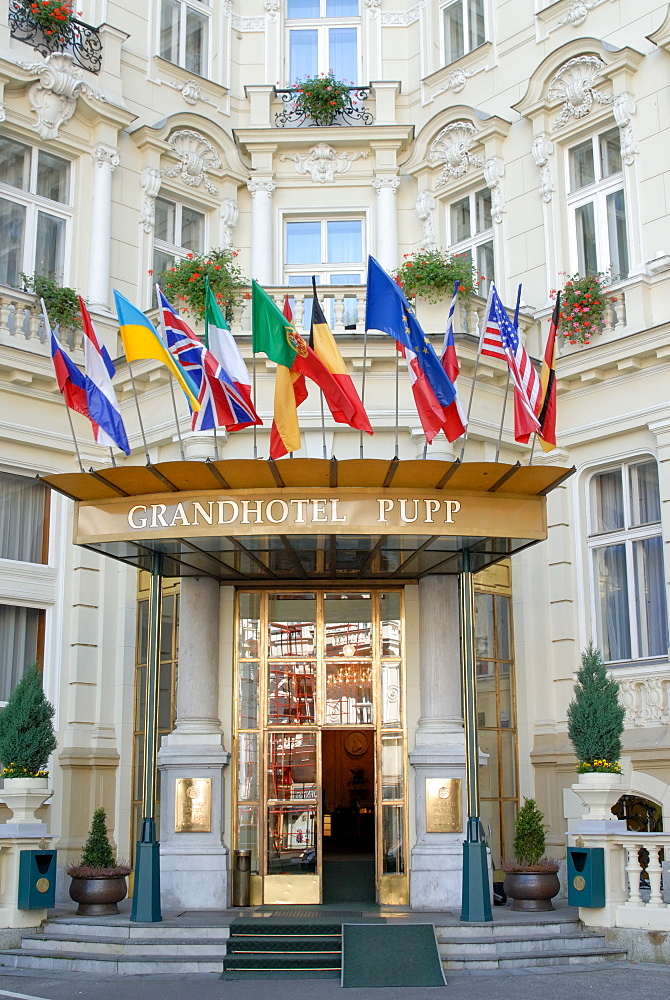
(193, 805)
(444, 812)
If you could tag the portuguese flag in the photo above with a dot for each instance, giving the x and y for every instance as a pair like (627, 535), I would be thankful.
(274, 335)
(323, 344)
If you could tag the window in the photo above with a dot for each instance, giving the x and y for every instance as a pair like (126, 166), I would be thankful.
(471, 233)
(34, 212)
(463, 28)
(178, 230)
(626, 552)
(322, 36)
(21, 643)
(184, 34)
(24, 512)
(597, 206)
(329, 249)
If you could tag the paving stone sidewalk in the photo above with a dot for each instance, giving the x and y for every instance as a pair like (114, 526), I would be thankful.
(615, 981)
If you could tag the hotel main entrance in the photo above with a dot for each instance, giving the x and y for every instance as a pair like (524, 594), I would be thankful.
(320, 752)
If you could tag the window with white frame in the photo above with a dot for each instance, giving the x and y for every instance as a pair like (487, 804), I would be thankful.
(178, 231)
(21, 644)
(330, 249)
(24, 519)
(184, 34)
(463, 28)
(626, 554)
(597, 205)
(35, 211)
(323, 35)
(471, 233)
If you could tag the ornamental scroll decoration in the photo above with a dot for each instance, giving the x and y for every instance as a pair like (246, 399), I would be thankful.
(230, 213)
(577, 12)
(425, 206)
(322, 162)
(150, 181)
(624, 109)
(646, 700)
(494, 170)
(54, 96)
(542, 149)
(196, 157)
(575, 85)
(452, 148)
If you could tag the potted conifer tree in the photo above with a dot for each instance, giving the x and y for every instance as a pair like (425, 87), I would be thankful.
(531, 880)
(595, 728)
(99, 880)
(26, 741)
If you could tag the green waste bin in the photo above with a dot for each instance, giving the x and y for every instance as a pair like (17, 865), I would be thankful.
(37, 879)
(586, 876)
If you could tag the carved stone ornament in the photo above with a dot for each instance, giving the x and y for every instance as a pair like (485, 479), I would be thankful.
(196, 157)
(574, 85)
(103, 156)
(494, 170)
(229, 215)
(455, 82)
(624, 109)
(402, 19)
(261, 185)
(374, 7)
(542, 149)
(577, 12)
(646, 700)
(54, 96)
(272, 8)
(247, 23)
(425, 206)
(322, 162)
(190, 91)
(452, 148)
(386, 183)
(150, 180)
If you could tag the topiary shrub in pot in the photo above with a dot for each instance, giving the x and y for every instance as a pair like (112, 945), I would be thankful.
(531, 880)
(99, 880)
(26, 741)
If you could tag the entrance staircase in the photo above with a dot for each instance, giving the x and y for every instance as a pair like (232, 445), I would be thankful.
(276, 948)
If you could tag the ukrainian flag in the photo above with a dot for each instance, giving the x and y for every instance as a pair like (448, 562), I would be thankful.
(142, 342)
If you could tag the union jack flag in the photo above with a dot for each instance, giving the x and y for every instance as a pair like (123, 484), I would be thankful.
(221, 403)
(526, 381)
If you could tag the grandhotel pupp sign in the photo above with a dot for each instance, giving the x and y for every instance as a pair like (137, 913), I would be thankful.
(315, 511)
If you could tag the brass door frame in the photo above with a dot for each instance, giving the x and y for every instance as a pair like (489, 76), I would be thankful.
(391, 888)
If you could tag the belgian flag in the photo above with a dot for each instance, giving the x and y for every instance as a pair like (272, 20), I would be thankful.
(547, 413)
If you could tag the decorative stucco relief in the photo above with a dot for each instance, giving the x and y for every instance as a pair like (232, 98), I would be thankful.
(191, 91)
(386, 183)
(425, 206)
(322, 162)
(54, 96)
(624, 108)
(577, 12)
(452, 147)
(494, 171)
(261, 185)
(229, 216)
(542, 149)
(575, 85)
(374, 7)
(402, 19)
(196, 157)
(646, 700)
(150, 181)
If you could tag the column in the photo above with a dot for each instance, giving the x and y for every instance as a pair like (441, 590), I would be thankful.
(194, 865)
(387, 221)
(439, 749)
(105, 159)
(261, 189)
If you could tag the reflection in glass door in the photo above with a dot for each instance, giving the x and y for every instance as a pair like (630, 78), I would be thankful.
(308, 663)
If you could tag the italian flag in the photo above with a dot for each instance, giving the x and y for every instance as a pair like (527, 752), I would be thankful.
(275, 336)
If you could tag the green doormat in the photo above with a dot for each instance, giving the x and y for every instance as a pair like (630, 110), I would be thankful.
(390, 955)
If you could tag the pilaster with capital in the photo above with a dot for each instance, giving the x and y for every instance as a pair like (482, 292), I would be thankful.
(105, 160)
(260, 189)
(387, 221)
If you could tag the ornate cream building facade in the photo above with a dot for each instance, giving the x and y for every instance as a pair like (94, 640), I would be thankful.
(534, 139)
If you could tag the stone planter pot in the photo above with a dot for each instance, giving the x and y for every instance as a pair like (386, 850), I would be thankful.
(598, 793)
(24, 796)
(98, 897)
(532, 891)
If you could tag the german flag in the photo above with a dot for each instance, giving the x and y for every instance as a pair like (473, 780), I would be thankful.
(323, 344)
(547, 413)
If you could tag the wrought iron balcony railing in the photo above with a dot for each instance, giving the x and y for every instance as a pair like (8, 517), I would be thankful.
(354, 112)
(80, 39)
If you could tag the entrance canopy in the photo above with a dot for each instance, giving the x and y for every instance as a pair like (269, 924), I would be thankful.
(256, 521)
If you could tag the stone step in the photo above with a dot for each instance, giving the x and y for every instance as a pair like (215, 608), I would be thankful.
(498, 947)
(524, 960)
(56, 944)
(125, 965)
(507, 929)
(124, 931)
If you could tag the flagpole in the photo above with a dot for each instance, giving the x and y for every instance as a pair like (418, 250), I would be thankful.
(253, 376)
(502, 418)
(74, 439)
(139, 415)
(397, 400)
(111, 455)
(532, 449)
(207, 291)
(365, 356)
(174, 401)
(474, 373)
(323, 429)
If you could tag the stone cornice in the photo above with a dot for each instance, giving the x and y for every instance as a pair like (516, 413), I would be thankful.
(336, 136)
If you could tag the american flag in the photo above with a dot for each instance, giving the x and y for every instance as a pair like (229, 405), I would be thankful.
(526, 381)
(221, 404)
(491, 344)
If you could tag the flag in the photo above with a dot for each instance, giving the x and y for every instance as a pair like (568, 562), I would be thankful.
(388, 311)
(141, 342)
(455, 417)
(277, 338)
(221, 403)
(323, 344)
(523, 374)
(71, 381)
(547, 412)
(220, 341)
(103, 406)
(490, 343)
(288, 439)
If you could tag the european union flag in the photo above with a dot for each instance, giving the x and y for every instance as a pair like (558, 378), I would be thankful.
(388, 311)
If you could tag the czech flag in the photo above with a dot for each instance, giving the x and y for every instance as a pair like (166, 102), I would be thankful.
(103, 406)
